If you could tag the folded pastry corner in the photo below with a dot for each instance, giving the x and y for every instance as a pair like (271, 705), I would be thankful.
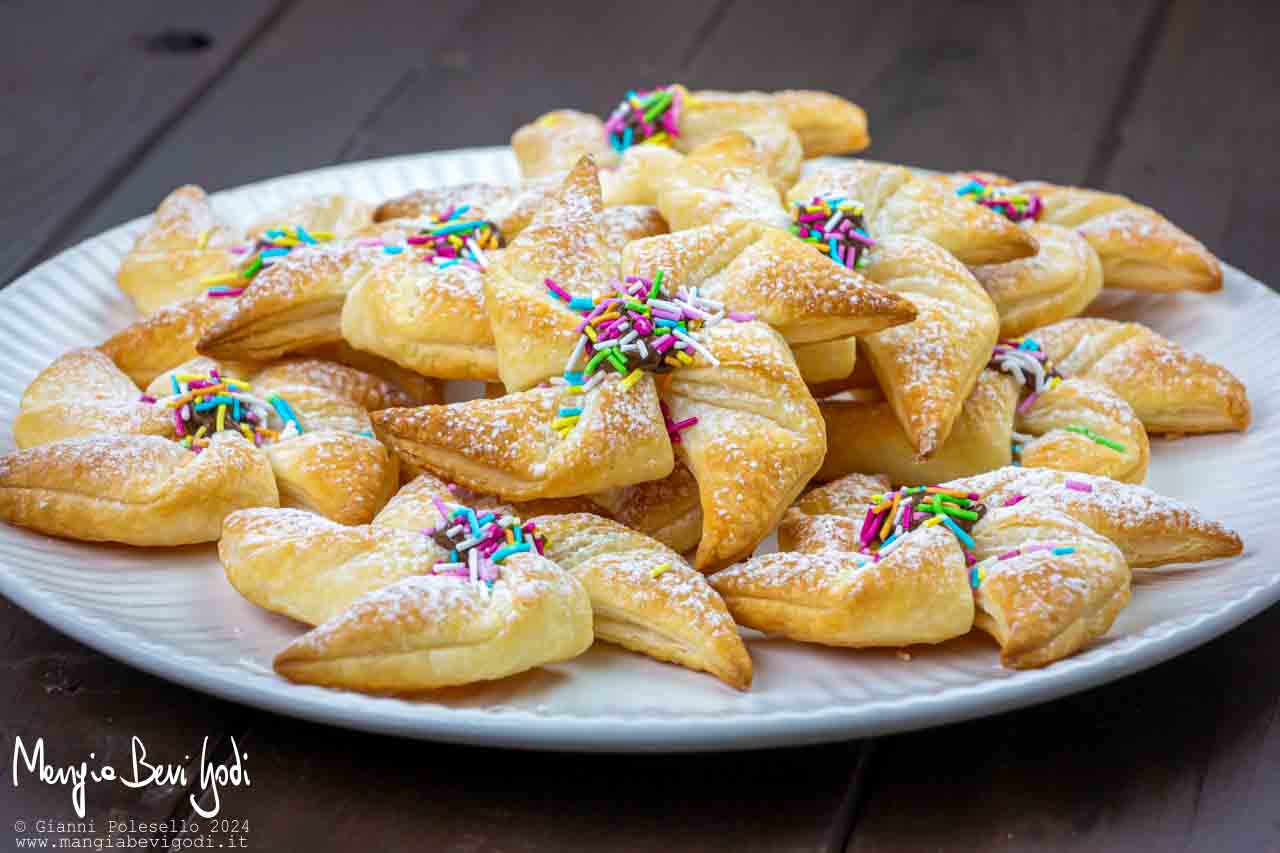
(1171, 389)
(897, 201)
(183, 244)
(509, 446)
(645, 597)
(135, 489)
(928, 367)
(534, 334)
(756, 436)
(426, 632)
(306, 567)
(765, 271)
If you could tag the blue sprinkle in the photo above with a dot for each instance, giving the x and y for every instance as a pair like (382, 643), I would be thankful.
(1058, 552)
(960, 534)
(393, 250)
(502, 553)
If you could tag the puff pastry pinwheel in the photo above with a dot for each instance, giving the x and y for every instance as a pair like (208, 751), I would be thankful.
(928, 367)
(433, 319)
(765, 272)
(1137, 247)
(896, 201)
(185, 250)
(645, 597)
(510, 208)
(845, 208)
(1171, 390)
(427, 632)
(1077, 425)
(511, 447)
(137, 489)
(305, 418)
(789, 125)
(1058, 282)
(1048, 556)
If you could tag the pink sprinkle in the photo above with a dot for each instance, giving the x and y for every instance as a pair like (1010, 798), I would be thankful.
(742, 316)
(417, 240)
(441, 508)
(146, 398)
(1026, 404)
(1008, 555)
(1013, 500)
(1077, 485)
(558, 290)
(177, 423)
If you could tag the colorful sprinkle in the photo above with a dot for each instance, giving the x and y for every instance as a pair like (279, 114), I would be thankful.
(650, 117)
(1078, 486)
(477, 544)
(1093, 436)
(1012, 203)
(205, 403)
(659, 571)
(834, 226)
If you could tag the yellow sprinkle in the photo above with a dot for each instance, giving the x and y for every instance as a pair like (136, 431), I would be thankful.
(605, 317)
(244, 430)
(671, 361)
(511, 537)
(322, 235)
(203, 239)
(659, 138)
(203, 429)
(222, 417)
(591, 332)
(684, 357)
(632, 378)
(286, 241)
(569, 422)
(937, 519)
(564, 433)
(225, 278)
(659, 571)
(575, 389)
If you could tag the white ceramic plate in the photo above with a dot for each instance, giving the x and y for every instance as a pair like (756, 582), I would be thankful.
(171, 612)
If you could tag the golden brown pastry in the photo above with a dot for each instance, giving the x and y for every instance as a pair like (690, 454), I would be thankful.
(327, 461)
(928, 367)
(899, 202)
(790, 125)
(511, 448)
(1049, 557)
(165, 338)
(331, 213)
(1077, 425)
(1150, 529)
(646, 598)
(669, 510)
(311, 569)
(135, 489)
(534, 333)
(511, 208)
(757, 440)
(1138, 248)
(83, 393)
(724, 180)
(756, 269)
(294, 305)
(1058, 282)
(183, 244)
(1171, 390)
(428, 632)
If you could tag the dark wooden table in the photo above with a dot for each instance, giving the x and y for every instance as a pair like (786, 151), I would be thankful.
(108, 106)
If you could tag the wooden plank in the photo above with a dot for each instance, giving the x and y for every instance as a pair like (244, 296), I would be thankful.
(1185, 756)
(386, 794)
(295, 102)
(1015, 87)
(1198, 141)
(85, 704)
(85, 91)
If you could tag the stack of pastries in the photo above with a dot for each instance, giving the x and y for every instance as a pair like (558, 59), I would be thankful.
(689, 340)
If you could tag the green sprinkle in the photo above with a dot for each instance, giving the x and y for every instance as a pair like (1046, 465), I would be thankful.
(1098, 439)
